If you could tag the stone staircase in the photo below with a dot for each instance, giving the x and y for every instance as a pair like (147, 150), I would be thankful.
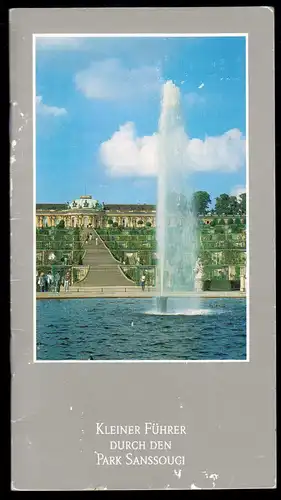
(104, 270)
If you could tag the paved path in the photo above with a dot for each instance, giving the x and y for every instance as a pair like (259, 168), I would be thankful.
(104, 269)
(129, 292)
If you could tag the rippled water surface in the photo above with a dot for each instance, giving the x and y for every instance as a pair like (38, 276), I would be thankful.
(129, 329)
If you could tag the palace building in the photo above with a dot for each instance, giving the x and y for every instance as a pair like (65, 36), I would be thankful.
(85, 212)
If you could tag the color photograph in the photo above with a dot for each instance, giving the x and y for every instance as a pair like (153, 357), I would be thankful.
(140, 198)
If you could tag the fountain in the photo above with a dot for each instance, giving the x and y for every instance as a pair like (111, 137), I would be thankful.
(176, 222)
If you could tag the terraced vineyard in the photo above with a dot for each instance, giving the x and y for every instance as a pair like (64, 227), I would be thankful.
(222, 246)
(222, 249)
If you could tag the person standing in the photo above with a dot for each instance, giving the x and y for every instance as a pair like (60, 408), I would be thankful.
(57, 282)
(46, 283)
(50, 281)
(67, 282)
(97, 241)
(41, 282)
(143, 282)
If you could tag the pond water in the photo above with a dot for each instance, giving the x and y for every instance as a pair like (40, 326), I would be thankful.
(129, 329)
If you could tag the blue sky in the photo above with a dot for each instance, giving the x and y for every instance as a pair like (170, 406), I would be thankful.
(87, 88)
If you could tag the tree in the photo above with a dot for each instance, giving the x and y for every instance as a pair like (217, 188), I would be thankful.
(233, 206)
(61, 224)
(214, 222)
(148, 224)
(140, 222)
(242, 204)
(201, 201)
(115, 224)
(77, 247)
(222, 204)
(110, 222)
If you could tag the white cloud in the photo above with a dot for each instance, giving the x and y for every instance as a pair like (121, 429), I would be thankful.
(225, 152)
(238, 190)
(125, 154)
(54, 42)
(44, 109)
(110, 80)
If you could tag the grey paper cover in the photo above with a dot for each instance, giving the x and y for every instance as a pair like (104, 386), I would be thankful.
(219, 416)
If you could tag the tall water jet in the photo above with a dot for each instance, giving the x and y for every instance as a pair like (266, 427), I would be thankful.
(177, 247)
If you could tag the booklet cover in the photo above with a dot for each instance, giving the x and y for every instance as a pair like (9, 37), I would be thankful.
(143, 290)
